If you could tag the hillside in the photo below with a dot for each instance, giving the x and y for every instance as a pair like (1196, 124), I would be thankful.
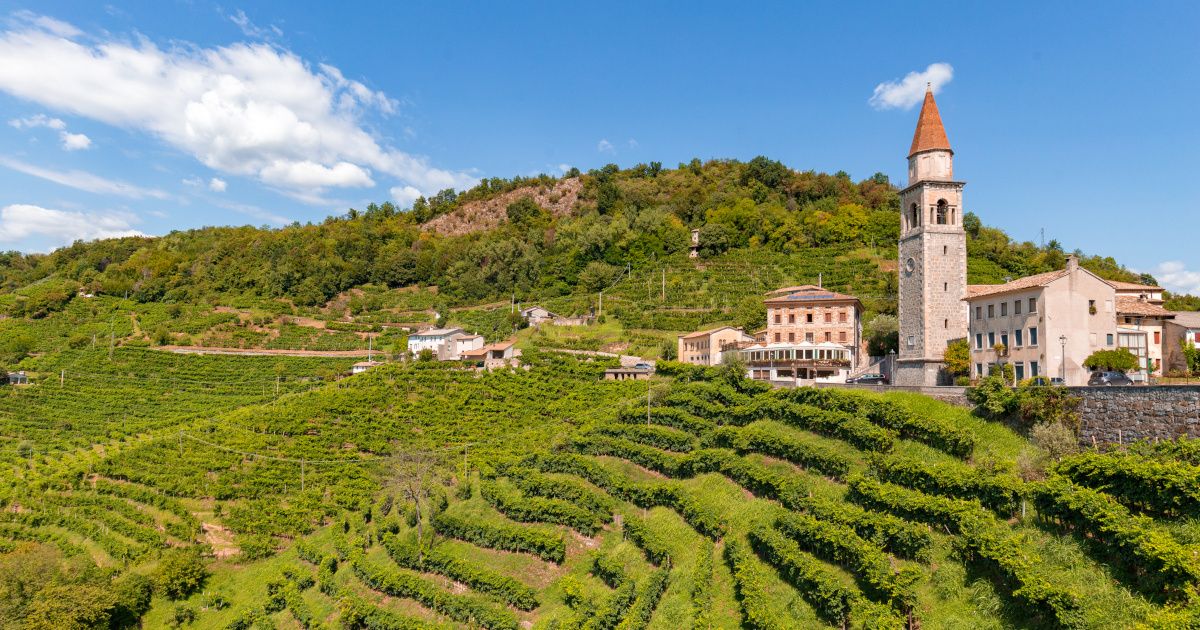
(231, 485)
(548, 500)
(555, 241)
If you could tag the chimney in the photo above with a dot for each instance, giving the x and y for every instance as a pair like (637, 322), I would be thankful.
(1072, 263)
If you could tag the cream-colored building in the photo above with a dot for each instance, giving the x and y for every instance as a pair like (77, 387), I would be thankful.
(1141, 326)
(706, 347)
(1044, 325)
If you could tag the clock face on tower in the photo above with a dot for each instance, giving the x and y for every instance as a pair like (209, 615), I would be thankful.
(910, 265)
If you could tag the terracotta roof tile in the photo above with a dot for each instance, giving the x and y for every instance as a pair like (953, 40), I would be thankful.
(1191, 319)
(1028, 282)
(930, 132)
(703, 333)
(1117, 284)
(1130, 305)
(807, 293)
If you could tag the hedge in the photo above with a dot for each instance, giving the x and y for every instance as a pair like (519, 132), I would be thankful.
(649, 592)
(533, 483)
(749, 585)
(659, 437)
(538, 510)
(648, 540)
(476, 578)
(461, 608)
(997, 491)
(809, 456)
(1167, 487)
(549, 546)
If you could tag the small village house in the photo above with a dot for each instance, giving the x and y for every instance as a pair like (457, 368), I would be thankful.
(1031, 321)
(707, 347)
(363, 366)
(1182, 329)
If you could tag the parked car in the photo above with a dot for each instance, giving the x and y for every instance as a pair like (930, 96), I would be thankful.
(1108, 379)
(644, 366)
(869, 379)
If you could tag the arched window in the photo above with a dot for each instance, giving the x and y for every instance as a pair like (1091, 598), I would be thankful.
(942, 212)
(912, 217)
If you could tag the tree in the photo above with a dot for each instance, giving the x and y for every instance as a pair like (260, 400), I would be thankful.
(1119, 360)
(958, 357)
(180, 572)
(972, 224)
(71, 607)
(596, 276)
(669, 351)
(525, 212)
(751, 313)
(883, 335)
(425, 355)
(18, 348)
(412, 475)
(714, 240)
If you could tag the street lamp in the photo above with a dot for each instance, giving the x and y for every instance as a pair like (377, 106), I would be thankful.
(892, 366)
(1062, 341)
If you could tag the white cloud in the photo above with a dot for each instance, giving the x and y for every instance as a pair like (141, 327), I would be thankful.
(906, 92)
(606, 147)
(246, 109)
(193, 181)
(563, 168)
(85, 181)
(41, 120)
(633, 144)
(405, 195)
(62, 29)
(73, 141)
(216, 184)
(1175, 277)
(20, 221)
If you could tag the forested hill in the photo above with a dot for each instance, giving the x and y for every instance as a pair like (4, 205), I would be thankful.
(590, 226)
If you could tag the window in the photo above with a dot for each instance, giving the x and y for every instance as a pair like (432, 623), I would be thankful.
(1017, 334)
(1033, 369)
(808, 337)
(942, 211)
(912, 341)
(1157, 338)
(991, 311)
(1110, 338)
(945, 286)
(991, 340)
(842, 336)
(1016, 307)
(1033, 335)
(776, 337)
(1107, 306)
(945, 250)
(791, 319)
(1197, 337)
(1091, 306)
(1092, 338)
(1127, 320)
(842, 316)
(791, 337)
(1019, 371)
(979, 370)
(979, 341)
(1032, 305)
(1004, 309)
(828, 336)
(1004, 338)
(978, 312)
(946, 324)
(828, 317)
(778, 318)
(810, 318)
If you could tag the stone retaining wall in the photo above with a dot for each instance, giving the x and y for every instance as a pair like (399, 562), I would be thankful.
(1121, 415)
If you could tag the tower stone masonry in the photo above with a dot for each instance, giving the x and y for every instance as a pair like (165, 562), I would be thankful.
(932, 255)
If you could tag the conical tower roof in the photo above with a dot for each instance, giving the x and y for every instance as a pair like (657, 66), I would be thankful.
(930, 133)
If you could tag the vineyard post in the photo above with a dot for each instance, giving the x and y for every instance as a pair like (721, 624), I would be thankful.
(664, 299)
(181, 443)
(648, 385)
(61, 377)
(302, 475)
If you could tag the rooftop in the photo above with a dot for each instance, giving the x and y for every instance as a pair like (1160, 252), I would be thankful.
(1028, 282)
(433, 332)
(1190, 319)
(792, 295)
(1132, 286)
(704, 333)
(930, 133)
(1130, 305)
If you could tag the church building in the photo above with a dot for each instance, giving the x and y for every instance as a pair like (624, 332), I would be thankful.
(932, 255)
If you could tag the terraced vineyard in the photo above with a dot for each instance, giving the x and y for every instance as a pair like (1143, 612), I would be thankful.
(549, 498)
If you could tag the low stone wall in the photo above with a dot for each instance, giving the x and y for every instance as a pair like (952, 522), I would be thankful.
(1121, 415)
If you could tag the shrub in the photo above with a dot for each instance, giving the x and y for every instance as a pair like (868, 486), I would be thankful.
(1121, 360)
(963, 381)
(1058, 441)
(180, 572)
(256, 547)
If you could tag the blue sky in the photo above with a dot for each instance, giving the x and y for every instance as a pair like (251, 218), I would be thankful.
(154, 116)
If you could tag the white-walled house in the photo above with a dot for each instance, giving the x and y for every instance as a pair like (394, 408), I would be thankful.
(443, 342)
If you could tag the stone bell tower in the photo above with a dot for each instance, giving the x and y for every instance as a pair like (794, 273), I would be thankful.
(933, 255)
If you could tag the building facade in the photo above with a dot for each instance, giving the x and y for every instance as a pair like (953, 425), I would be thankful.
(707, 347)
(1044, 325)
(932, 255)
(811, 315)
(1183, 329)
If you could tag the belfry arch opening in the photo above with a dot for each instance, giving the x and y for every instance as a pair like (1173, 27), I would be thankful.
(911, 217)
(942, 212)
